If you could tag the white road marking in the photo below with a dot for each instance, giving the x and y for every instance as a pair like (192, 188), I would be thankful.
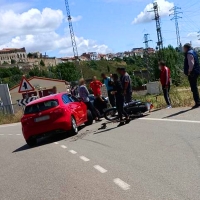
(100, 169)
(121, 184)
(9, 125)
(73, 152)
(1, 134)
(10, 134)
(55, 142)
(18, 134)
(170, 120)
(84, 158)
(63, 146)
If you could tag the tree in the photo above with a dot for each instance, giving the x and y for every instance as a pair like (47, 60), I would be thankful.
(42, 63)
(30, 55)
(66, 71)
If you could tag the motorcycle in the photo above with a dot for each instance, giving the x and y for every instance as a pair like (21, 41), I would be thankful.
(134, 109)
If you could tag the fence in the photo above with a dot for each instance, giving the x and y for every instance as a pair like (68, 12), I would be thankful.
(6, 109)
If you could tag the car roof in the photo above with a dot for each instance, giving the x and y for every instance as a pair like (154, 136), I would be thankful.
(47, 98)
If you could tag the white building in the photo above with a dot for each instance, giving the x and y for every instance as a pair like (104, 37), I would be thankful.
(9, 55)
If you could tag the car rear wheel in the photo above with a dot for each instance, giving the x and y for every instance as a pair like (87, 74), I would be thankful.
(74, 128)
(89, 118)
(32, 142)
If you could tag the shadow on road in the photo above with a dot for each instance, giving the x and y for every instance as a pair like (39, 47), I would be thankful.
(178, 113)
(47, 140)
(105, 130)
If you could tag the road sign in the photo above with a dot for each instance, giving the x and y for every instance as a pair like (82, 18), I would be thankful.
(25, 86)
(24, 102)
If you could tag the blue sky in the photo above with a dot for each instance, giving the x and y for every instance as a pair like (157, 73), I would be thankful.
(100, 25)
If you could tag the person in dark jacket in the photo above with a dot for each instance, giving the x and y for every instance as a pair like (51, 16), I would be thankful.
(192, 70)
(119, 96)
(126, 84)
(165, 82)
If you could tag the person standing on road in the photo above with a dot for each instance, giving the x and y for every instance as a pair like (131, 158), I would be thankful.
(192, 70)
(126, 84)
(165, 82)
(118, 92)
(95, 86)
(107, 82)
(84, 95)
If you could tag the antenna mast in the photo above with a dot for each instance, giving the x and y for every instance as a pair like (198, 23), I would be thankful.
(75, 50)
(175, 18)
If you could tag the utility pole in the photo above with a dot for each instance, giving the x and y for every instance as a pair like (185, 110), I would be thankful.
(175, 17)
(158, 28)
(146, 53)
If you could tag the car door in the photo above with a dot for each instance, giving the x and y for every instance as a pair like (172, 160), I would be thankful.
(81, 109)
(75, 110)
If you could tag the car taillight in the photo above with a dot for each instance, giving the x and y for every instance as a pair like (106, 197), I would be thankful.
(26, 120)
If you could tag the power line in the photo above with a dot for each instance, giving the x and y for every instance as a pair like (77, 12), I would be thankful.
(175, 17)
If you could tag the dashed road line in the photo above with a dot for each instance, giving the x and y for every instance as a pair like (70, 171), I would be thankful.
(84, 158)
(18, 134)
(73, 152)
(1, 134)
(9, 125)
(56, 143)
(63, 146)
(121, 184)
(100, 169)
(10, 134)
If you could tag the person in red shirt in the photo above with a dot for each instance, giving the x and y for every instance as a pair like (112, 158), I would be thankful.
(165, 82)
(95, 86)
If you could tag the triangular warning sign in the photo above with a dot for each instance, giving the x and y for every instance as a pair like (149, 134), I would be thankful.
(25, 86)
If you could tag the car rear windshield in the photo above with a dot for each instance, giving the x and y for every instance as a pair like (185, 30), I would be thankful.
(35, 108)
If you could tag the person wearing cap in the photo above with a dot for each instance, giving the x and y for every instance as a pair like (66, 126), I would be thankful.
(118, 93)
(192, 70)
(126, 84)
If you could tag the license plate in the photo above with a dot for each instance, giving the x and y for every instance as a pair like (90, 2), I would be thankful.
(43, 118)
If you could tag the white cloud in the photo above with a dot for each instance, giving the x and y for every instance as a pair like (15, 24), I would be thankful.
(52, 41)
(32, 21)
(77, 18)
(37, 31)
(193, 37)
(146, 16)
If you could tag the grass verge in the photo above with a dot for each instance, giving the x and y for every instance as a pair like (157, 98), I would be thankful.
(179, 98)
(9, 119)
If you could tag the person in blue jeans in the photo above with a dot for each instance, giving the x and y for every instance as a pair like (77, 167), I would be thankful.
(192, 70)
(108, 83)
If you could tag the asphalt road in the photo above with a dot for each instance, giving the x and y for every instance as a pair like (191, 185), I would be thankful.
(153, 158)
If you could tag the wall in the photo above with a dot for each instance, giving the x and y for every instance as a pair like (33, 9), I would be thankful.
(43, 84)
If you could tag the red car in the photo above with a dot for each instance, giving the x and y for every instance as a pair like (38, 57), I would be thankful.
(53, 114)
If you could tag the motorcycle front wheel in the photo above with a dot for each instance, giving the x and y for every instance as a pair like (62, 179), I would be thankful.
(111, 114)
